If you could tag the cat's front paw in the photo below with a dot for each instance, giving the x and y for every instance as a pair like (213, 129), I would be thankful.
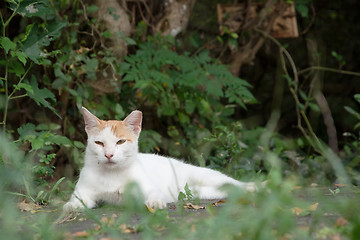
(156, 203)
(72, 206)
(75, 205)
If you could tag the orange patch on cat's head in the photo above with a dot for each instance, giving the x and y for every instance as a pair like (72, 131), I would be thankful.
(118, 128)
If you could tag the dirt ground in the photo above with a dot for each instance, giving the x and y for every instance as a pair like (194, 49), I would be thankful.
(81, 222)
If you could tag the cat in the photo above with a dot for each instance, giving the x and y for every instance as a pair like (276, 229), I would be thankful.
(112, 160)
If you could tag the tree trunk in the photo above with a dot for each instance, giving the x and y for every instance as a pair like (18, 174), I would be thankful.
(176, 18)
(116, 20)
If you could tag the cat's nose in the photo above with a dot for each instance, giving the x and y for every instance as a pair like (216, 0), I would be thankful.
(109, 155)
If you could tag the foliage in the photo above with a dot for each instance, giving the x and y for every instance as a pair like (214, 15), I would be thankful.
(189, 90)
(55, 58)
(22, 54)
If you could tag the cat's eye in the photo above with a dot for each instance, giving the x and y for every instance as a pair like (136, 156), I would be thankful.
(121, 141)
(99, 143)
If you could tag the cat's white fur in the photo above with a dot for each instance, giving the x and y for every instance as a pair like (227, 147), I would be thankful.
(110, 165)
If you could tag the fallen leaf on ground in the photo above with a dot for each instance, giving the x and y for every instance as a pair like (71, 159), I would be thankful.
(336, 237)
(150, 209)
(81, 234)
(297, 210)
(301, 211)
(314, 206)
(217, 204)
(341, 222)
(193, 228)
(125, 229)
(68, 218)
(27, 207)
(340, 185)
(193, 206)
(109, 221)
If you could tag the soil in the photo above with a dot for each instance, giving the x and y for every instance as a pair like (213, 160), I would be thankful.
(80, 223)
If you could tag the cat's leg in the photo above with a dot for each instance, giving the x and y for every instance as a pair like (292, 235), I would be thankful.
(154, 199)
(152, 195)
(79, 199)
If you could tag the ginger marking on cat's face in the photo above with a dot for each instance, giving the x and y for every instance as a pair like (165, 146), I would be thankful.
(111, 138)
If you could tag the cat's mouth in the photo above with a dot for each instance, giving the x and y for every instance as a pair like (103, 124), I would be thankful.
(110, 163)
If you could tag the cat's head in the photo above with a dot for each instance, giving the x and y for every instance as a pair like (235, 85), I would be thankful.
(112, 143)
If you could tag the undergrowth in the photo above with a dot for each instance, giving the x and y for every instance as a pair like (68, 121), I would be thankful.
(55, 63)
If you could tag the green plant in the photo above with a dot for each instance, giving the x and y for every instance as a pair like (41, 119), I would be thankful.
(195, 92)
(43, 139)
(185, 196)
(25, 51)
(42, 197)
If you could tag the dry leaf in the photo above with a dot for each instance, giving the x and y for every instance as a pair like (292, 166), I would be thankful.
(297, 210)
(68, 218)
(68, 236)
(27, 207)
(340, 185)
(81, 234)
(193, 206)
(150, 209)
(336, 237)
(107, 220)
(314, 206)
(193, 228)
(341, 222)
(125, 229)
(217, 204)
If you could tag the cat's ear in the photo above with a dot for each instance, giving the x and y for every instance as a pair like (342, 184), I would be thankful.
(90, 120)
(134, 120)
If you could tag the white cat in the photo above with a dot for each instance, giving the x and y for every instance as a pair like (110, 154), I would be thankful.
(112, 160)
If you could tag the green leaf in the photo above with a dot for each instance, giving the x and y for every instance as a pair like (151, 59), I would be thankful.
(352, 112)
(25, 86)
(188, 192)
(314, 107)
(205, 106)
(40, 38)
(181, 196)
(357, 97)
(79, 144)
(107, 34)
(183, 118)
(213, 87)
(302, 9)
(189, 106)
(16, 67)
(37, 143)
(26, 130)
(92, 8)
(41, 96)
(48, 127)
(7, 44)
(303, 95)
(130, 41)
(31, 8)
(59, 140)
(21, 56)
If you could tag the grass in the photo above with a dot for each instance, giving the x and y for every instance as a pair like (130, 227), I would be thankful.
(277, 212)
(282, 210)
